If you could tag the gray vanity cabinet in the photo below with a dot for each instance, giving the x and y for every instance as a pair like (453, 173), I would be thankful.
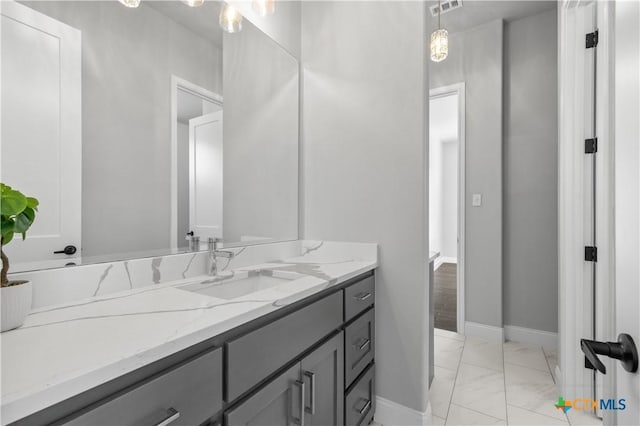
(323, 375)
(309, 393)
(278, 403)
(311, 364)
(188, 394)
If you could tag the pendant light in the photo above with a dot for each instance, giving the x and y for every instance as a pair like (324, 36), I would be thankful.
(264, 7)
(130, 3)
(439, 42)
(230, 18)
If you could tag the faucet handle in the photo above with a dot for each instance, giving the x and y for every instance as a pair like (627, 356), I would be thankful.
(213, 242)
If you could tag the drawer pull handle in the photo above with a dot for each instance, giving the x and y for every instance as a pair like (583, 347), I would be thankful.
(312, 390)
(172, 415)
(362, 296)
(299, 420)
(366, 343)
(366, 407)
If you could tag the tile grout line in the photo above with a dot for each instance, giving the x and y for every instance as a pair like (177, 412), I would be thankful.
(479, 412)
(535, 412)
(553, 377)
(504, 381)
(455, 380)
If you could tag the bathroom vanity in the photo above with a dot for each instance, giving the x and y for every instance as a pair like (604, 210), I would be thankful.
(299, 351)
(157, 135)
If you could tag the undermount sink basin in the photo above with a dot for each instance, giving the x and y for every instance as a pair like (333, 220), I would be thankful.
(240, 284)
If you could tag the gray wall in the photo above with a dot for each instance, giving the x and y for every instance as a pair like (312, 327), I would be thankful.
(183, 184)
(530, 264)
(475, 57)
(364, 165)
(260, 138)
(128, 57)
(284, 26)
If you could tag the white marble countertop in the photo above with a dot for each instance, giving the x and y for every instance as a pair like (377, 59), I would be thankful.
(64, 350)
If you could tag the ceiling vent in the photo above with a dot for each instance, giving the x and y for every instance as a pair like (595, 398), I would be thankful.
(446, 6)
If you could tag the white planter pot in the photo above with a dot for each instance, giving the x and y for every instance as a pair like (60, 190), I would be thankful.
(16, 304)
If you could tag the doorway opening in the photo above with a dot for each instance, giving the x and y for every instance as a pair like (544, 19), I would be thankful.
(446, 204)
(196, 140)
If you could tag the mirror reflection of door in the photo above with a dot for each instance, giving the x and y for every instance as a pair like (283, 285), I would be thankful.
(199, 134)
(205, 180)
(41, 131)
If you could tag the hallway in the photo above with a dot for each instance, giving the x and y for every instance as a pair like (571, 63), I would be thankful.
(445, 295)
(483, 383)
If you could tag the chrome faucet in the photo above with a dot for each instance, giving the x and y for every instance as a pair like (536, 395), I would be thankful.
(214, 253)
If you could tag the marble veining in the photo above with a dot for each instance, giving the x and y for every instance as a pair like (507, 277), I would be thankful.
(136, 313)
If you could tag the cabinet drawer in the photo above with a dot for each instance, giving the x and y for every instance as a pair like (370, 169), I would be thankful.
(359, 345)
(358, 297)
(254, 356)
(190, 394)
(360, 401)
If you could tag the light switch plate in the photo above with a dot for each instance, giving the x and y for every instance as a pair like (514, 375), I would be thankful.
(476, 200)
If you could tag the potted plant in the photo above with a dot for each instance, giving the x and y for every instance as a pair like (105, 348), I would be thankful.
(17, 214)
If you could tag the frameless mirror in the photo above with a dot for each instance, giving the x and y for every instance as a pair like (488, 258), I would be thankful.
(135, 127)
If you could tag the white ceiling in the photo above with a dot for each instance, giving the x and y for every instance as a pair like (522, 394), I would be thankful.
(478, 12)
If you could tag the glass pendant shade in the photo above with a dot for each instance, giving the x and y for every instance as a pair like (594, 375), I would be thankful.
(130, 3)
(193, 3)
(230, 19)
(439, 45)
(264, 7)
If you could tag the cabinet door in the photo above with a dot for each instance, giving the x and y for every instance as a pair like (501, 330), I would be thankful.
(280, 403)
(323, 376)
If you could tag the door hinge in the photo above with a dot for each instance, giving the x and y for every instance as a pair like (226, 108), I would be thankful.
(591, 146)
(592, 39)
(590, 254)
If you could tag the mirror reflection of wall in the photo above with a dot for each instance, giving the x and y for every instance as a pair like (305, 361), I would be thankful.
(134, 188)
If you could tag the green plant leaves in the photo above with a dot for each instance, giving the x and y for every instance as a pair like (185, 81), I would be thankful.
(32, 203)
(17, 213)
(23, 221)
(6, 230)
(12, 202)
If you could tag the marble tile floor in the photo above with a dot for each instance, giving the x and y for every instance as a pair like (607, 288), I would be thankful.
(484, 383)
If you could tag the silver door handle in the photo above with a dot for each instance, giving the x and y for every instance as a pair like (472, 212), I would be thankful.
(362, 296)
(172, 415)
(299, 420)
(366, 406)
(366, 343)
(312, 390)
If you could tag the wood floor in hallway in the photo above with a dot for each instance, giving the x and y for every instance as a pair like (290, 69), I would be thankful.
(445, 298)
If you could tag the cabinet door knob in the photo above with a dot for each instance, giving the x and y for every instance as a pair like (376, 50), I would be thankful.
(68, 250)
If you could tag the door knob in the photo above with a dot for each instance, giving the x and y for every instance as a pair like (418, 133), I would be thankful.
(623, 350)
(68, 250)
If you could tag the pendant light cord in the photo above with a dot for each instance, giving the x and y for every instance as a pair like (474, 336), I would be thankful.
(439, 10)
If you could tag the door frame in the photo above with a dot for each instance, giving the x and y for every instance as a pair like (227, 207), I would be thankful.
(178, 83)
(439, 92)
(576, 313)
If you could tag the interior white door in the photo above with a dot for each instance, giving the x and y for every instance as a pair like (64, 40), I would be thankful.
(41, 129)
(627, 198)
(205, 176)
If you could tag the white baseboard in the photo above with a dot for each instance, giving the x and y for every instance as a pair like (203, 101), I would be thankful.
(546, 339)
(389, 413)
(482, 331)
(440, 260)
